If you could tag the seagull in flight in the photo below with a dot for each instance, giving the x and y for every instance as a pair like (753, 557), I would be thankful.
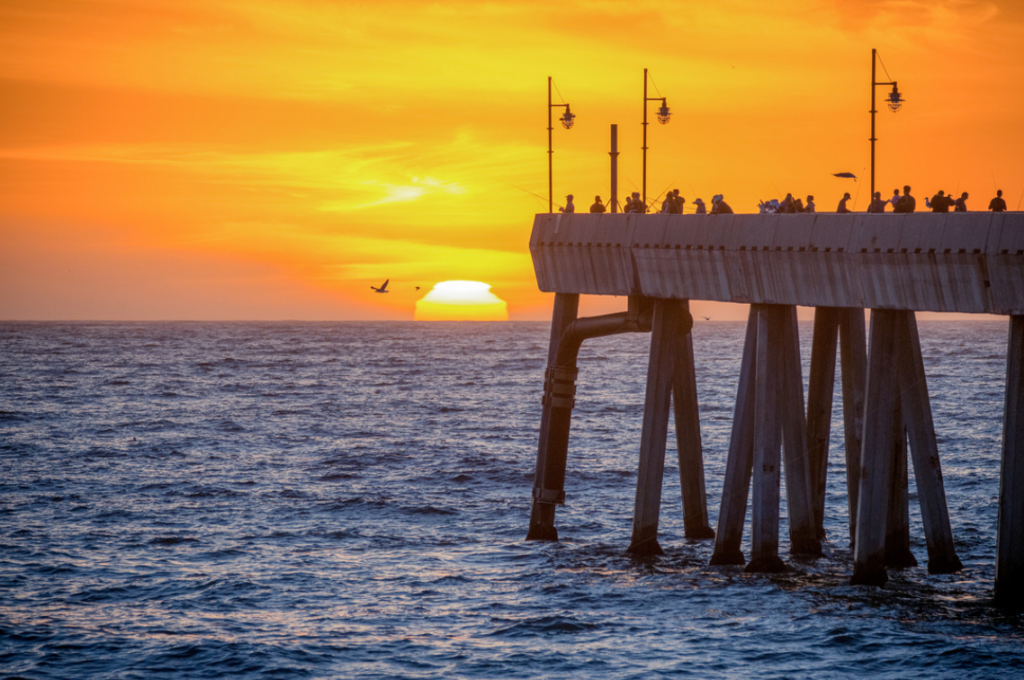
(706, 318)
(383, 287)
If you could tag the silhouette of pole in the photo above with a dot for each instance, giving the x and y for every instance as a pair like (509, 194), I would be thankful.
(872, 194)
(614, 153)
(895, 101)
(551, 200)
(567, 121)
(663, 116)
(644, 147)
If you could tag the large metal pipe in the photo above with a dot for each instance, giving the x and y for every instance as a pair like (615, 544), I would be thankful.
(559, 393)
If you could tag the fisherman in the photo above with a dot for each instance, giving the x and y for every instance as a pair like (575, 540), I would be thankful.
(638, 205)
(940, 202)
(961, 203)
(699, 203)
(598, 206)
(668, 206)
(810, 204)
(719, 206)
(842, 204)
(677, 202)
(877, 204)
(569, 207)
(786, 206)
(997, 204)
(907, 203)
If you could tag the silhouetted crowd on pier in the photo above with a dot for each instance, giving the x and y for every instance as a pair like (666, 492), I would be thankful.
(673, 204)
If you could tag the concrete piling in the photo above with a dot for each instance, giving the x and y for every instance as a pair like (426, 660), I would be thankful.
(1009, 590)
(687, 417)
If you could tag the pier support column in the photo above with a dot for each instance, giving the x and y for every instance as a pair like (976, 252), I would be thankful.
(769, 418)
(924, 450)
(687, 418)
(670, 372)
(803, 534)
(740, 461)
(853, 358)
(897, 521)
(875, 462)
(764, 521)
(821, 384)
(1009, 591)
(849, 323)
(651, 471)
(896, 407)
(552, 448)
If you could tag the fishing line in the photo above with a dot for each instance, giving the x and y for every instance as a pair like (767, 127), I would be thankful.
(858, 192)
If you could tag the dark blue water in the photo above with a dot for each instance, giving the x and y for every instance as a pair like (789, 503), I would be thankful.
(328, 500)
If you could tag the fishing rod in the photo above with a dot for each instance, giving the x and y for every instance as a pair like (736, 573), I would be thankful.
(538, 196)
(858, 194)
(661, 194)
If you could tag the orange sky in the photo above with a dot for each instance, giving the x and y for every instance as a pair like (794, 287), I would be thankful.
(256, 159)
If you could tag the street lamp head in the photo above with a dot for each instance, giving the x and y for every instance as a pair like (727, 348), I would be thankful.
(663, 114)
(568, 118)
(895, 99)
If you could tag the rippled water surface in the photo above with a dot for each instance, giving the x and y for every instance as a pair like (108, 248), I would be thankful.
(350, 500)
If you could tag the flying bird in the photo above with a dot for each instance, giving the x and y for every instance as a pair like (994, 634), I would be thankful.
(706, 318)
(383, 287)
(417, 287)
(847, 175)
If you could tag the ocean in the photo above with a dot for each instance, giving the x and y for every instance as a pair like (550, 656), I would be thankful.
(350, 500)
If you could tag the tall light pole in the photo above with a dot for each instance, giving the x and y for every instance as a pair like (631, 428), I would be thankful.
(895, 100)
(567, 120)
(663, 116)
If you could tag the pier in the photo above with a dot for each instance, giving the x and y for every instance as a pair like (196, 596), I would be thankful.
(841, 265)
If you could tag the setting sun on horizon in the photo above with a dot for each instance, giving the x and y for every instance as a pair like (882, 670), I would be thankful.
(264, 160)
(461, 301)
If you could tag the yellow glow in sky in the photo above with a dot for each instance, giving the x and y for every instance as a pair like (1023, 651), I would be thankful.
(270, 159)
(461, 301)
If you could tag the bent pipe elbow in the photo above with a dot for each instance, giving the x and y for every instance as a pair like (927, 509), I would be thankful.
(596, 327)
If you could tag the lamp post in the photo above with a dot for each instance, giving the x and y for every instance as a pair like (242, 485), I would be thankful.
(567, 120)
(894, 100)
(663, 117)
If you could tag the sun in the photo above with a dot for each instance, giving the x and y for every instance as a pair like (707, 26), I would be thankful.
(461, 301)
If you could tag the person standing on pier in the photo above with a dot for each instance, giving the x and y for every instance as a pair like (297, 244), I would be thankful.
(637, 204)
(842, 204)
(569, 207)
(786, 206)
(940, 203)
(719, 206)
(907, 203)
(877, 204)
(997, 204)
(961, 203)
(700, 208)
(677, 202)
(810, 204)
(598, 206)
(895, 200)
